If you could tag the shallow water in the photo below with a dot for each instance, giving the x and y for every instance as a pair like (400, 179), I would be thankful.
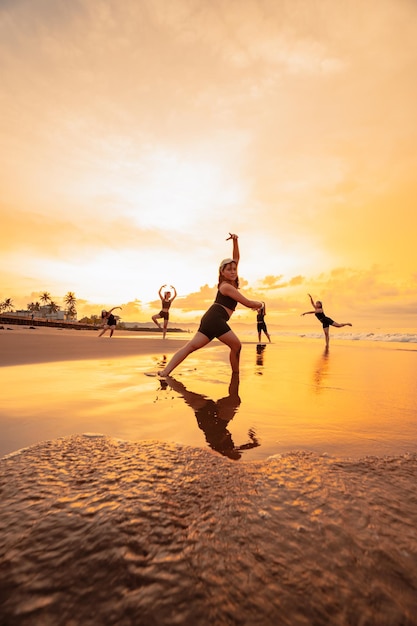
(357, 399)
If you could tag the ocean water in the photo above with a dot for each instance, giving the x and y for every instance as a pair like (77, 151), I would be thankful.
(356, 399)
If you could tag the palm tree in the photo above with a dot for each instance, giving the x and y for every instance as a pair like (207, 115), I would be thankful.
(45, 297)
(7, 305)
(72, 312)
(53, 306)
(70, 300)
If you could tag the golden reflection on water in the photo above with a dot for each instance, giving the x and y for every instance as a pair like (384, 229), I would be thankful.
(213, 416)
(352, 400)
(321, 371)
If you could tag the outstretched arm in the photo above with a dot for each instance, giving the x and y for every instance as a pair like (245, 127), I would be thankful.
(115, 307)
(308, 312)
(253, 443)
(228, 290)
(236, 253)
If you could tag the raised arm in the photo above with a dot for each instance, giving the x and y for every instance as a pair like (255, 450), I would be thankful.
(115, 307)
(312, 301)
(235, 253)
(175, 293)
(160, 291)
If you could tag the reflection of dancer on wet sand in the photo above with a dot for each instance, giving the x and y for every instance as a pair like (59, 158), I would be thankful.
(260, 322)
(321, 371)
(166, 302)
(326, 321)
(260, 356)
(213, 417)
(214, 321)
(109, 321)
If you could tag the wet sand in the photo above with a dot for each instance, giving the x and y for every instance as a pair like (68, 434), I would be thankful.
(102, 531)
(95, 531)
(357, 399)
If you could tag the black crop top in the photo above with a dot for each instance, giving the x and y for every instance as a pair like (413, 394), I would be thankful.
(165, 303)
(226, 301)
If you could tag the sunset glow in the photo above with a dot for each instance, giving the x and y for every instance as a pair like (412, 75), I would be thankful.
(136, 135)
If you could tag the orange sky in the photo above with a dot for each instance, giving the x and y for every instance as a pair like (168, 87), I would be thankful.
(135, 135)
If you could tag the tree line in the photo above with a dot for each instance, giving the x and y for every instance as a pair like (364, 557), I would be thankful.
(45, 298)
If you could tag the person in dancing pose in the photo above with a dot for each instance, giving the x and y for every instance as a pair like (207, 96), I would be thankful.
(214, 322)
(326, 321)
(109, 321)
(260, 323)
(166, 301)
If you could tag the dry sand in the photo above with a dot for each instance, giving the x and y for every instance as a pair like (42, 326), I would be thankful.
(22, 345)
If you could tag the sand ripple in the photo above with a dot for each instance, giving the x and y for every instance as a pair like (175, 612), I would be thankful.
(95, 531)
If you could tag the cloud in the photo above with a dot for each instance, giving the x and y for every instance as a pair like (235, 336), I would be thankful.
(275, 282)
(197, 301)
(60, 237)
(369, 294)
(135, 133)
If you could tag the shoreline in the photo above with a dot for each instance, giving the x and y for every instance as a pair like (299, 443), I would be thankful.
(355, 400)
(25, 346)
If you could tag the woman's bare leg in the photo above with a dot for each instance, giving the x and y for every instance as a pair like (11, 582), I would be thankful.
(155, 319)
(165, 329)
(327, 336)
(340, 325)
(233, 341)
(198, 341)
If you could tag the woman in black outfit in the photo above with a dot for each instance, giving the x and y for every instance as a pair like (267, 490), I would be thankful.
(109, 321)
(326, 321)
(260, 323)
(166, 302)
(214, 321)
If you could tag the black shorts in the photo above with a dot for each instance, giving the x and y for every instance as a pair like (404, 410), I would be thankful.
(327, 321)
(214, 322)
(262, 326)
(164, 315)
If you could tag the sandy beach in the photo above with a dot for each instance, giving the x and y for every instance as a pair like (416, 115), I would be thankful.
(95, 531)
(287, 499)
(21, 345)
